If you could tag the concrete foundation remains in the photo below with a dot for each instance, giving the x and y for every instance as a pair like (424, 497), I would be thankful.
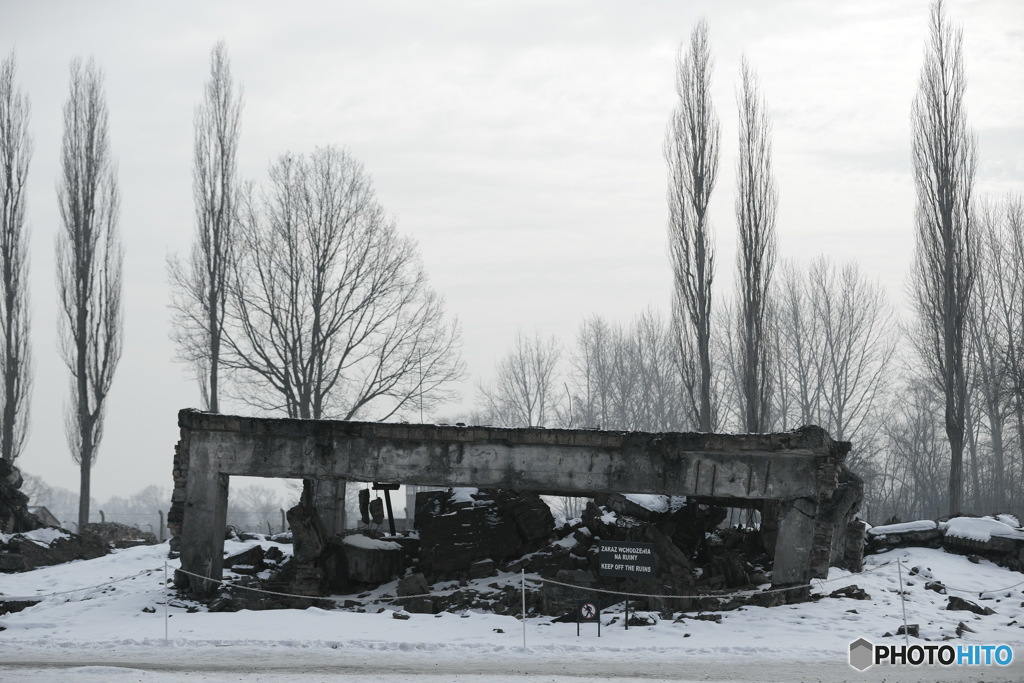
(796, 473)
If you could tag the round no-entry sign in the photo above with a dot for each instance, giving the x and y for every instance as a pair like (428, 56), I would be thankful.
(587, 611)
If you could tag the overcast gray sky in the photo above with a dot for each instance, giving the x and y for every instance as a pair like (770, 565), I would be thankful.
(518, 142)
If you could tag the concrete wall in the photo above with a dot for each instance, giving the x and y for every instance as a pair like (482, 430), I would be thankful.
(802, 465)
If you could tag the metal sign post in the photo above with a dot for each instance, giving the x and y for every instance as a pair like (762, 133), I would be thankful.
(586, 611)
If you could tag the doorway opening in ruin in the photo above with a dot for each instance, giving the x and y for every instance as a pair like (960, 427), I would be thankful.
(258, 504)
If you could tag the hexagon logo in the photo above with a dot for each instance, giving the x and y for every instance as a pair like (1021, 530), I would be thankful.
(861, 654)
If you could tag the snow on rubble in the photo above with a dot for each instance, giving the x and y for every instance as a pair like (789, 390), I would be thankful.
(121, 600)
(41, 537)
(116, 609)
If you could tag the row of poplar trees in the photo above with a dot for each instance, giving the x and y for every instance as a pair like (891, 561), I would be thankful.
(304, 299)
(945, 260)
(300, 296)
(89, 265)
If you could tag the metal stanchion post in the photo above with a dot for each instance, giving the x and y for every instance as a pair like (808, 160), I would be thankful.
(903, 601)
(166, 600)
(524, 608)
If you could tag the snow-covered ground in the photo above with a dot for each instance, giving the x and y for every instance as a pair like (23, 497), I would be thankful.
(97, 629)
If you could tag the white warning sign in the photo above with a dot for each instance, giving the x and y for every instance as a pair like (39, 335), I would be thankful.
(626, 560)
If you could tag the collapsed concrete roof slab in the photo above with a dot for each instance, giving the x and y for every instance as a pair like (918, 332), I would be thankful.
(801, 465)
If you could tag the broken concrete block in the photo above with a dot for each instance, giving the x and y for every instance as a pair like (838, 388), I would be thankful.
(956, 603)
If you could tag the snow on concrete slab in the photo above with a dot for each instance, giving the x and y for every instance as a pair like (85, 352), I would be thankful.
(903, 527)
(361, 541)
(980, 529)
(1009, 520)
(649, 501)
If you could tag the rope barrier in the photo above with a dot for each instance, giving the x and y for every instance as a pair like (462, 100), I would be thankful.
(305, 597)
(257, 590)
(389, 598)
(967, 590)
(19, 598)
(746, 593)
(980, 593)
(822, 582)
(540, 580)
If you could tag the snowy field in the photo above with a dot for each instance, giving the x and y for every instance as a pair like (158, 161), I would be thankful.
(112, 628)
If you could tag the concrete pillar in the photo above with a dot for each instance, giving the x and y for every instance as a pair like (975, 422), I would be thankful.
(853, 555)
(795, 541)
(203, 526)
(329, 502)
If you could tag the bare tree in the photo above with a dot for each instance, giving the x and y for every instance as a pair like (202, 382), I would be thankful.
(919, 454)
(798, 354)
(61, 502)
(199, 287)
(728, 372)
(858, 342)
(15, 356)
(623, 377)
(525, 390)
(625, 383)
(140, 509)
(990, 340)
(660, 396)
(1011, 304)
(944, 154)
(89, 263)
(590, 376)
(691, 150)
(756, 206)
(835, 339)
(329, 309)
(997, 330)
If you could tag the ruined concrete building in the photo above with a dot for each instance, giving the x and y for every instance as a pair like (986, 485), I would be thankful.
(793, 477)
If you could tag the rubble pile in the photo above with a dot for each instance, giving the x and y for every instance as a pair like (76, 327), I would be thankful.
(465, 532)
(14, 515)
(466, 529)
(47, 546)
(466, 536)
(121, 535)
(27, 543)
(692, 555)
